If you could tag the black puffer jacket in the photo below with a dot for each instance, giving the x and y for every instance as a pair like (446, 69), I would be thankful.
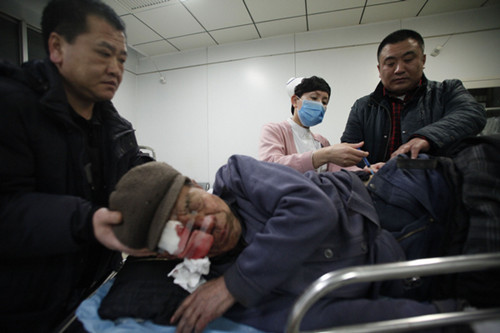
(443, 112)
(49, 256)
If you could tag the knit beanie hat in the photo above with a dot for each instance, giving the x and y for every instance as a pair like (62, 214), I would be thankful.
(145, 196)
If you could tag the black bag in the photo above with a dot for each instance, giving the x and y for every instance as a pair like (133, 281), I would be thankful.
(142, 289)
(469, 221)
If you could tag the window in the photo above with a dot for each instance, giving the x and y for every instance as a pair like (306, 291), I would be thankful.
(10, 43)
(14, 38)
(36, 48)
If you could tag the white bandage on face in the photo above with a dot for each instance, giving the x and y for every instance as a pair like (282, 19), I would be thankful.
(169, 240)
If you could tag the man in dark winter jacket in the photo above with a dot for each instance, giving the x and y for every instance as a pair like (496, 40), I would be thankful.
(63, 148)
(407, 112)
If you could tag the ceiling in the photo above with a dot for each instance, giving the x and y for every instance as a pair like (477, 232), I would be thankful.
(156, 27)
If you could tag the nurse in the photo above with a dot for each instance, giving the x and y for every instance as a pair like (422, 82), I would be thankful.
(292, 143)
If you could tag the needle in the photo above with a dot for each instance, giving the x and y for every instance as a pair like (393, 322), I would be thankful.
(368, 164)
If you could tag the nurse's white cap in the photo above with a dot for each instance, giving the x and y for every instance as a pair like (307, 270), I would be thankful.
(291, 84)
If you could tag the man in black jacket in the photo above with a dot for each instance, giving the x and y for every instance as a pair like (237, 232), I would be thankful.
(63, 148)
(407, 112)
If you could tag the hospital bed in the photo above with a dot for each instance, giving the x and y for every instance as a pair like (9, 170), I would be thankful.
(87, 316)
(329, 283)
(401, 270)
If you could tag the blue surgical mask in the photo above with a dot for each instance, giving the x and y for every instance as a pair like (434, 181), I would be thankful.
(311, 113)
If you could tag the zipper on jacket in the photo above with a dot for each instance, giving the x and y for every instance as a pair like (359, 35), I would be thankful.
(390, 131)
(415, 231)
(411, 233)
(379, 104)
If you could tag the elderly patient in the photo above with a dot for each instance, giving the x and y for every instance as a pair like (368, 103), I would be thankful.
(271, 231)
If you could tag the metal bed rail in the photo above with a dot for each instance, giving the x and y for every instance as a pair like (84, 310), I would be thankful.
(407, 269)
(149, 150)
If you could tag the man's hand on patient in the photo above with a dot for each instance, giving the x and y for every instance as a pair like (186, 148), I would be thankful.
(415, 146)
(103, 221)
(210, 301)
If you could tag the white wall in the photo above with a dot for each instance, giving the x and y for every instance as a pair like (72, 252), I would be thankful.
(215, 100)
(126, 97)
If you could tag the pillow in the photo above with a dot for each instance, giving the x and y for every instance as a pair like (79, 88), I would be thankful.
(143, 289)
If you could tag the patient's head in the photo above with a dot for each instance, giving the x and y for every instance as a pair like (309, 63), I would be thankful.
(150, 195)
(208, 214)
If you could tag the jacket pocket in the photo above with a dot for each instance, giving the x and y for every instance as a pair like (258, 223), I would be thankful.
(421, 239)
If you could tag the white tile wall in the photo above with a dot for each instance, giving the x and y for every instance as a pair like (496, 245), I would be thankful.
(216, 99)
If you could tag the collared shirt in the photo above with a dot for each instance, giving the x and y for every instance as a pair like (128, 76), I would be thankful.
(398, 104)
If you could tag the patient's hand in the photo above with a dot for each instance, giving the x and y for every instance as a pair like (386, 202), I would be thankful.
(210, 301)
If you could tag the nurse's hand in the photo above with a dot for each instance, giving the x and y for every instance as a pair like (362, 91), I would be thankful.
(103, 222)
(208, 302)
(343, 154)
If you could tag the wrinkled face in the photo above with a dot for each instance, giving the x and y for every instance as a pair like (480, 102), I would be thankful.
(92, 66)
(401, 66)
(210, 214)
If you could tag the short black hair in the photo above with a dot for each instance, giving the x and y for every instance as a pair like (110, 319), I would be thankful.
(312, 83)
(399, 36)
(69, 18)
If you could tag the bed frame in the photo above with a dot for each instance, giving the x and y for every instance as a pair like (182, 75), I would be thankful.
(408, 269)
